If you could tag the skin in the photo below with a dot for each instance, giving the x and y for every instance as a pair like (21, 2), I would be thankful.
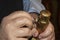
(48, 34)
(12, 27)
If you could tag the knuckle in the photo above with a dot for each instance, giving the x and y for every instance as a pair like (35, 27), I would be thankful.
(5, 18)
(52, 28)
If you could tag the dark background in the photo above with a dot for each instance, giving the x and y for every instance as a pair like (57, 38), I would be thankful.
(54, 7)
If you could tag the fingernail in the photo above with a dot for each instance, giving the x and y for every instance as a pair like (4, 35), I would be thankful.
(40, 36)
(35, 34)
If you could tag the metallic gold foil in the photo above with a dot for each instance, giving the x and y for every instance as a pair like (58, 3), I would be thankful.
(43, 21)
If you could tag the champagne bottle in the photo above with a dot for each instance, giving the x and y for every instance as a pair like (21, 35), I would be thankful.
(42, 22)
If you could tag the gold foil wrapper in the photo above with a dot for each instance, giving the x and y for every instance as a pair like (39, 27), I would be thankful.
(42, 21)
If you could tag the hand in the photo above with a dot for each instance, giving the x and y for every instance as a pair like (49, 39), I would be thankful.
(34, 15)
(48, 34)
(17, 26)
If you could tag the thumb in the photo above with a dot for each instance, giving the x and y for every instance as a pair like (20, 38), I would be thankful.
(35, 34)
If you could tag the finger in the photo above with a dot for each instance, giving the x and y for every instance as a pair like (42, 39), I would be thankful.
(13, 16)
(18, 22)
(22, 39)
(48, 31)
(18, 14)
(16, 27)
(19, 39)
(35, 32)
(22, 21)
(12, 24)
(53, 38)
(48, 37)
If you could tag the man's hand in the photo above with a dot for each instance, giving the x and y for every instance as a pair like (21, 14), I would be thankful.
(48, 33)
(17, 26)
